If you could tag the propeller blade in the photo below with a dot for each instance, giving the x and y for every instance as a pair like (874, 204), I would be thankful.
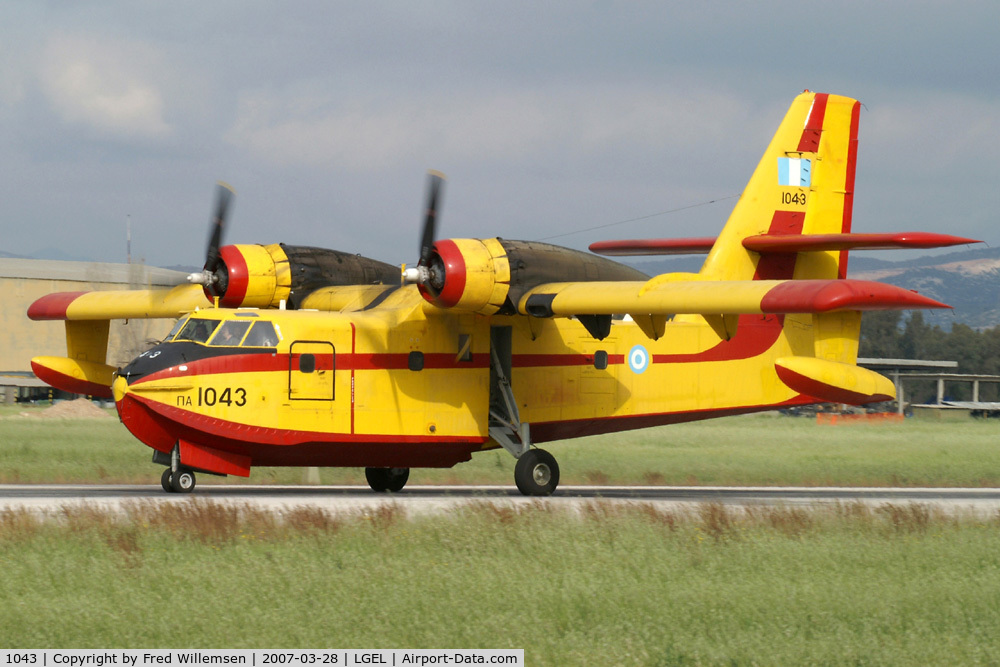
(223, 195)
(434, 183)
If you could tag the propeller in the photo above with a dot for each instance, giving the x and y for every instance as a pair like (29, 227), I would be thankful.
(210, 276)
(427, 272)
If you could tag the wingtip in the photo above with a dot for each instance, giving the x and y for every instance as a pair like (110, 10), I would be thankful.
(52, 306)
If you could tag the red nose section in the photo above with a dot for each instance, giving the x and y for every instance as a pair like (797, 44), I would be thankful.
(162, 433)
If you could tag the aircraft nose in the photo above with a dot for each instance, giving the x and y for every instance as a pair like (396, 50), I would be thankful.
(119, 388)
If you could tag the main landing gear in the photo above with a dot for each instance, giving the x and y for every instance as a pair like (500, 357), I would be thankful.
(384, 480)
(536, 473)
(182, 481)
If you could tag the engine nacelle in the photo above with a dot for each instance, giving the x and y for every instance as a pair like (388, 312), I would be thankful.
(489, 275)
(252, 276)
(256, 276)
(471, 275)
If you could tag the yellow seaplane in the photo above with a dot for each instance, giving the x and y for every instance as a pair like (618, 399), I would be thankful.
(298, 356)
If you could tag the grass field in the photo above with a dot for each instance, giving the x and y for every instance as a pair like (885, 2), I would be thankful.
(844, 585)
(612, 585)
(751, 450)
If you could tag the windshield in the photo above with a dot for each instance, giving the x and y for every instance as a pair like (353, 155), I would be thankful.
(177, 327)
(230, 333)
(197, 330)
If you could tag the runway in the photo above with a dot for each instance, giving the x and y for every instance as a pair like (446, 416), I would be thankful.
(49, 499)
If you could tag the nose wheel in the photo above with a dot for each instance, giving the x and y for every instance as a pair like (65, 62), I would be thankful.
(183, 481)
(536, 473)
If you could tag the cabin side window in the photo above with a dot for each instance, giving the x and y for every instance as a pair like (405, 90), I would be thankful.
(262, 334)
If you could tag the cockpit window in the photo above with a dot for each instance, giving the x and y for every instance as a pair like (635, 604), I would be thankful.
(197, 330)
(230, 333)
(262, 334)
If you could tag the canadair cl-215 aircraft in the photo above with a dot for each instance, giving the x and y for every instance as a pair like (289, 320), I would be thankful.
(294, 356)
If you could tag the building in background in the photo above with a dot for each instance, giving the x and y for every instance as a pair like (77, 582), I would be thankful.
(22, 281)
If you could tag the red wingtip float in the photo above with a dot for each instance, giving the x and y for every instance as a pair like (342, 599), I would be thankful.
(320, 357)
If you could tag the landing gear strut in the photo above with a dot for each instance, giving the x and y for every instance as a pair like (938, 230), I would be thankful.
(387, 479)
(536, 473)
(182, 481)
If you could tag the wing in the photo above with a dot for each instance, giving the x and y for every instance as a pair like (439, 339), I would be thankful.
(88, 315)
(119, 304)
(667, 295)
(783, 243)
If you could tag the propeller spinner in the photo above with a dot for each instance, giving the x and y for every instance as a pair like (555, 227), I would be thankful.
(212, 277)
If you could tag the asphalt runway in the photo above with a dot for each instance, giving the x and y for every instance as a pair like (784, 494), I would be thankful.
(49, 499)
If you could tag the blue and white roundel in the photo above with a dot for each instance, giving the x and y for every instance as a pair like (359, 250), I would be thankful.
(638, 359)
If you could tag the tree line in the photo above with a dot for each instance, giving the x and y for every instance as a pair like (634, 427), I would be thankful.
(888, 335)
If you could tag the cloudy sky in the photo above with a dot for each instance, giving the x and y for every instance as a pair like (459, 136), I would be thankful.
(548, 118)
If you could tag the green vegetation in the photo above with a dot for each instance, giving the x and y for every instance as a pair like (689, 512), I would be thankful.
(612, 584)
(885, 334)
(752, 450)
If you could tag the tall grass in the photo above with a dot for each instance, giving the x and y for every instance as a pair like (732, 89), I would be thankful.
(752, 450)
(612, 584)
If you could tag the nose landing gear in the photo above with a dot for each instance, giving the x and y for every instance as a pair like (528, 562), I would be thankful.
(183, 481)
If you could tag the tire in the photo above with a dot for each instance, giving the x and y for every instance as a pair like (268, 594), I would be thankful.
(536, 473)
(183, 481)
(165, 481)
(384, 480)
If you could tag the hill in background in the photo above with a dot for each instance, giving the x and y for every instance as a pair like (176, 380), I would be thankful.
(968, 280)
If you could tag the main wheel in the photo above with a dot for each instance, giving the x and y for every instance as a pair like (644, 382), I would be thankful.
(536, 473)
(182, 481)
(165, 481)
(387, 479)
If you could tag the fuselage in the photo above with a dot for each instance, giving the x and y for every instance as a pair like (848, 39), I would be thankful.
(407, 384)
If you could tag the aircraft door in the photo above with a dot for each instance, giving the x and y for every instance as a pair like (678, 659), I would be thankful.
(311, 366)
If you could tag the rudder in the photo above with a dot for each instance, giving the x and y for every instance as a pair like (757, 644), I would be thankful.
(804, 184)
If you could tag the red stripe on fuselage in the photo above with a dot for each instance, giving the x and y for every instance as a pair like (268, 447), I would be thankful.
(755, 334)
(269, 363)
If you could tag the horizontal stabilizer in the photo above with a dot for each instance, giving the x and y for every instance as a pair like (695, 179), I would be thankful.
(75, 376)
(833, 381)
(694, 246)
(779, 243)
(119, 304)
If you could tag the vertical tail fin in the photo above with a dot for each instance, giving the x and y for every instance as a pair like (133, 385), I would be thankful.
(804, 184)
